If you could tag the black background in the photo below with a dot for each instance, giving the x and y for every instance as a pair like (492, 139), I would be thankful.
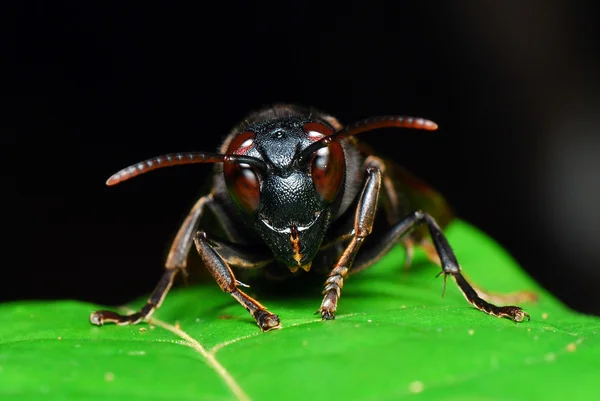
(99, 86)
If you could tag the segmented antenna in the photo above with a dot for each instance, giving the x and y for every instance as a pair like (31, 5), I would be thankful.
(175, 159)
(367, 124)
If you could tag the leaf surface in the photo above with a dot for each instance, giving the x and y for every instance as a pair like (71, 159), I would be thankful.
(395, 336)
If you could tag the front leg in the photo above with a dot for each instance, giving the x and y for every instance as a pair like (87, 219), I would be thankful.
(222, 273)
(363, 225)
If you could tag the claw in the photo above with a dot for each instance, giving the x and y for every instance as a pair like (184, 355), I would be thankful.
(267, 321)
(520, 315)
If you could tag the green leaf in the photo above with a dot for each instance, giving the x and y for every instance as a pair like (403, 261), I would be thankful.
(395, 336)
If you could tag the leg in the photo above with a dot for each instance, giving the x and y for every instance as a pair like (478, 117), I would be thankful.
(392, 202)
(450, 266)
(176, 260)
(226, 280)
(104, 316)
(511, 298)
(363, 225)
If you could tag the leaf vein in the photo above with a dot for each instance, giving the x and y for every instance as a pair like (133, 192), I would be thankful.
(217, 347)
(210, 358)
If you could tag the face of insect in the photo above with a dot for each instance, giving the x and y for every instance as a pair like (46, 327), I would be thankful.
(290, 203)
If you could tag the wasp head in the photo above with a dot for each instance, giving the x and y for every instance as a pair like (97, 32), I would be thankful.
(291, 199)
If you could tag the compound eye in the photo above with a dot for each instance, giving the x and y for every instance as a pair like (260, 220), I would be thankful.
(241, 179)
(327, 165)
(243, 186)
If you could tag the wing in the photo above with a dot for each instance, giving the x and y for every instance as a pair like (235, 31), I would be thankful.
(415, 194)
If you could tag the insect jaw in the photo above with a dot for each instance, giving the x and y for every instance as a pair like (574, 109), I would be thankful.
(295, 241)
(306, 267)
(294, 244)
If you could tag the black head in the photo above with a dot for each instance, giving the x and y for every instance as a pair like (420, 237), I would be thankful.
(289, 203)
(285, 172)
